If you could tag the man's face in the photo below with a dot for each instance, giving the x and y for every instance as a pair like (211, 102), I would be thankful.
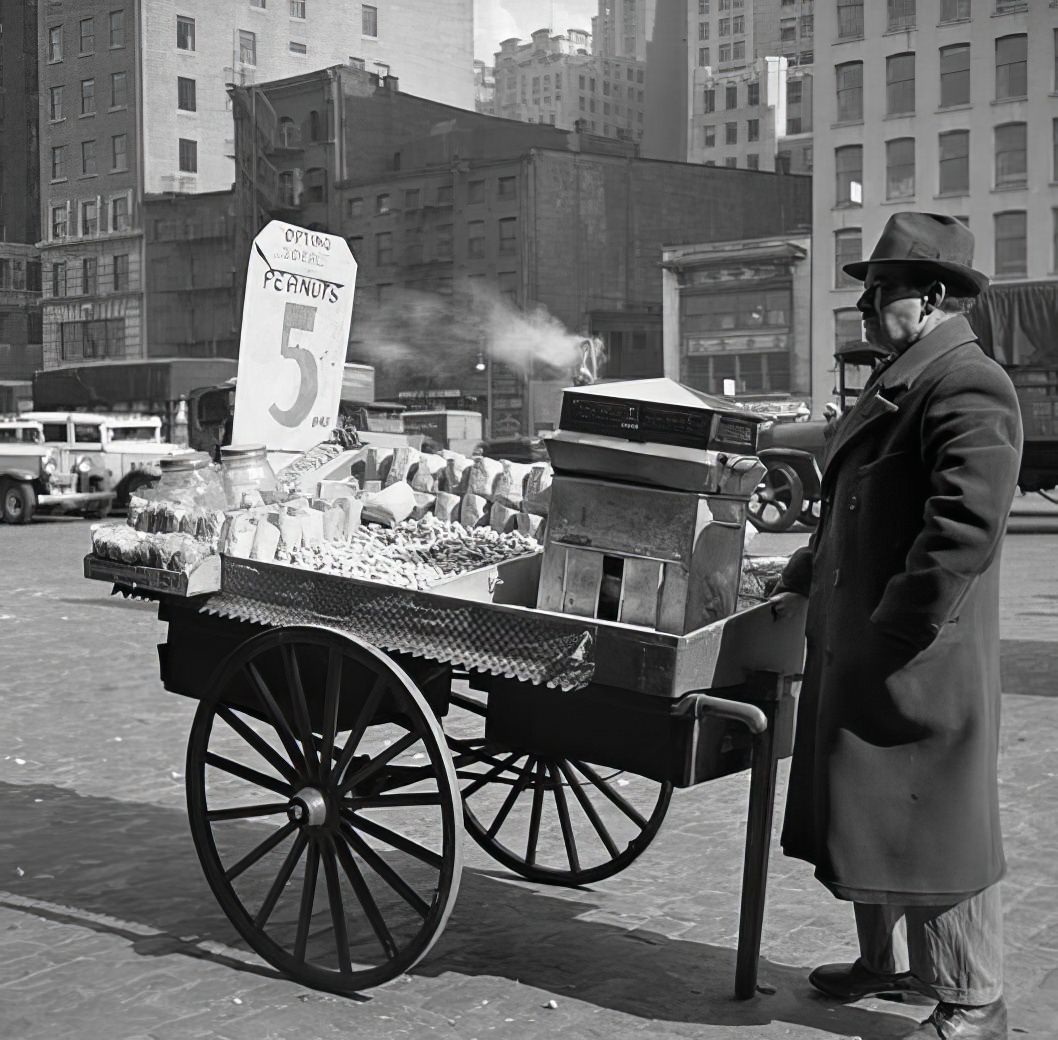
(891, 305)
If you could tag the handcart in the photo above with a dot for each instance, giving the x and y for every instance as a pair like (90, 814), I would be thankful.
(353, 730)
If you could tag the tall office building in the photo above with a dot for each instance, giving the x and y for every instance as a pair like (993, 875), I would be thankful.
(134, 103)
(912, 129)
(624, 28)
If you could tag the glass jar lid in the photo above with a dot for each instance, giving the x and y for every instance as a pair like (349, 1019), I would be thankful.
(242, 451)
(185, 463)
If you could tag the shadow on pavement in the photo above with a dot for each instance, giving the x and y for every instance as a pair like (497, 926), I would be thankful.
(1028, 667)
(130, 869)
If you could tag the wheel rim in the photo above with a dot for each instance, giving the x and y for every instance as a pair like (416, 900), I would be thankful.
(13, 505)
(555, 820)
(324, 808)
(776, 501)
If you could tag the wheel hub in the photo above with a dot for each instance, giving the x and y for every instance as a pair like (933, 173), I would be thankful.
(308, 807)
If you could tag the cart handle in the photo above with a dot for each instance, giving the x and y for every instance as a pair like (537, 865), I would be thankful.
(697, 703)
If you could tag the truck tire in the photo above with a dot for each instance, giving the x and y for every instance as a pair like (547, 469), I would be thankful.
(18, 502)
(777, 502)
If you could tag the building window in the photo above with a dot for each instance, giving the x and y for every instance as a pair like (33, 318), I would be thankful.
(848, 249)
(188, 155)
(88, 158)
(738, 24)
(753, 94)
(444, 195)
(709, 100)
(508, 235)
(849, 78)
(730, 133)
(850, 19)
(186, 94)
(119, 89)
(703, 30)
(848, 165)
(121, 272)
(88, 36)
(955, 75)
(58, 278)
(58, 162)
(297, 48)
(1011, 67)
(354, 207)
(900, 168)
(89, 276)
(185, 33)
(412, 198)
(752, 129)
(954, 10)
(444, 241)
(476, 191)
(119, 213)
(708, 136)
(738, 50)
(88, 97)
(725, 53)
(731, 96)
(507, 187)
(900, 84)
(315, 185)
(752, 161)
(59, 221)
(725, 26)
(89, 218)
(476, 240)
(119, 153)
(247, 47)
(848, 325)
(1054, 149)
(1010, 244)
(369, 20)
(382, 204)
(117, 29)
(383, 248)
(297, 8)
(1054, 239)
(55, 112)
(954, 153)
(1010, 155)
(901, 15)
(55, 44)
(703, 56)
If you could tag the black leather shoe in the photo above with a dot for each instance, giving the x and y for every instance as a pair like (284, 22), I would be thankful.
(960, 1022)
(855, 981)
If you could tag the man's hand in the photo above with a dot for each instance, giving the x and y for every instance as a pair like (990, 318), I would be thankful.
(783, 604)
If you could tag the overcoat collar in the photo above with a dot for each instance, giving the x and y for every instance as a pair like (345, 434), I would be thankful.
(900, 374)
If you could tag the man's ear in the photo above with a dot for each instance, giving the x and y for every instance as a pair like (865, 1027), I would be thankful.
(935, 296)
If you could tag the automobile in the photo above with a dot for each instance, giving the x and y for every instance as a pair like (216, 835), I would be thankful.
(32, 480)
(117, 452)
(513, 449)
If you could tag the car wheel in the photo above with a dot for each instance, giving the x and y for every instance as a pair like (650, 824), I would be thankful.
(132, 483)
(777, 501)
(810, 512)
(18, 502)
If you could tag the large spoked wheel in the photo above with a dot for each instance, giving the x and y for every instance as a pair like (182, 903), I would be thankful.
(324, 808)
(809, 515)
(777, 501)
(556, 820)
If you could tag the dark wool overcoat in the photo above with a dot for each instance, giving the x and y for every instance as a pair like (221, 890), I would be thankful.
(893, 792)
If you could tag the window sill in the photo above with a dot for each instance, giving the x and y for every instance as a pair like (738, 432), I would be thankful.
(1009, 100)
(367, 36)
(899, 115)
(59, 180)
(844, 123)
(1001, 189)
(848, 39)
(902, 201)
(1020, 9)
(840, 206)
(118, 108)
(116, 47)
(899, 30)
(120, 169)
(188, 173)
(962, 193)
(56, 122)
(87, 176)
(954, 108)
(954, 21)
(86, 54)
(186, 112)
(86, 115)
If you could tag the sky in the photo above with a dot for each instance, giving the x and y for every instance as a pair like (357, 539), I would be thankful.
(496, 20)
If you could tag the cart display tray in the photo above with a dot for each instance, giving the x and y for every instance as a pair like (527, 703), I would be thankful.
(205, 578)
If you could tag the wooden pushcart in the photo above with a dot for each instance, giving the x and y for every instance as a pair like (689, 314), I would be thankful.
(348, 733)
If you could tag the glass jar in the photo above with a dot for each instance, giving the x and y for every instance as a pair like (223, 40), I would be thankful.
(189, 488)
(245, 468)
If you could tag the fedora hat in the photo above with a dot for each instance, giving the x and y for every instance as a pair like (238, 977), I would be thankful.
(941, 246)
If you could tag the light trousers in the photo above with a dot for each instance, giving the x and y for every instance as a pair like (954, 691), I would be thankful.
(955, 950)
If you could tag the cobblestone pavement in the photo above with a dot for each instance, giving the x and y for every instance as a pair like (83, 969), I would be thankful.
(108, 930)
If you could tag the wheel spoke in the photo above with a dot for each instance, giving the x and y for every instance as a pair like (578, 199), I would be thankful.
(363, 718)
(260, 850)
(589, 810)
(258, 743)
(467, 703)
(397, 841)
(334, 897)
(279, 720)
(563, 817)
(395, 801)
(280, 881)
(332, 687)
(374, 765)
(367, 900)
(252, 776)
(495, 771)
(622, 803)
(243, 812)
(512, 797)
(308, 895)
(301, 708)
(470, 747)
(385, 871)
(534, 819)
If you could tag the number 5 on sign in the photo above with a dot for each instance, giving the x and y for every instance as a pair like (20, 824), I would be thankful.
(295, 329)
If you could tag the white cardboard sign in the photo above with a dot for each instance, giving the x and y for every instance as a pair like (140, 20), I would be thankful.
(295, 329)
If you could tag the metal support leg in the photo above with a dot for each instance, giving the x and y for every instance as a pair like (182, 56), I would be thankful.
(755, 867)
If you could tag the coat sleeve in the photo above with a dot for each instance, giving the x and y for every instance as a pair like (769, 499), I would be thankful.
(971, 447)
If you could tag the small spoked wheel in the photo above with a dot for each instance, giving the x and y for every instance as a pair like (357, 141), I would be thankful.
(561, 821)
(777, 501)
(324, 808)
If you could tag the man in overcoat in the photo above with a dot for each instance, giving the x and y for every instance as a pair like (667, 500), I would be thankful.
(893, 789)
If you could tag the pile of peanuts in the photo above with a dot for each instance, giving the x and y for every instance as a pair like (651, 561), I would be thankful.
(414, 554)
